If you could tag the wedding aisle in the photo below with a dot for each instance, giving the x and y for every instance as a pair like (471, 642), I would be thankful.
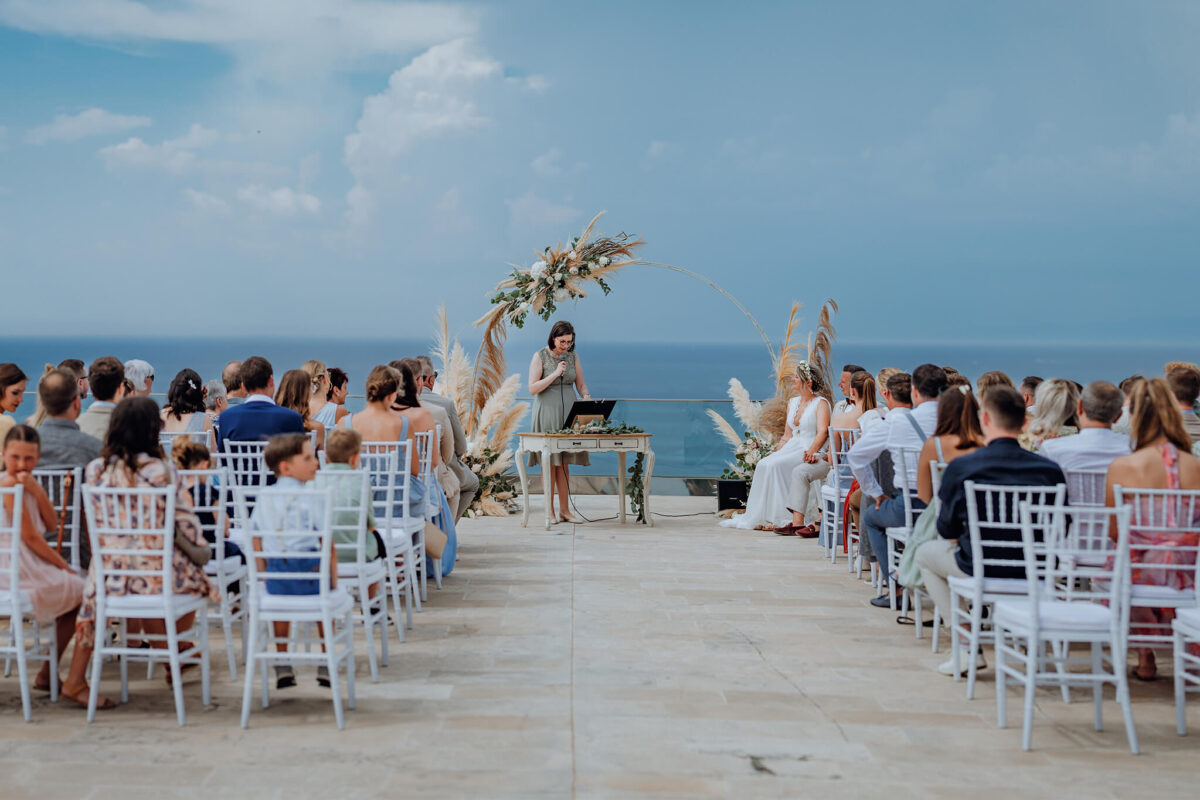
(683, 660)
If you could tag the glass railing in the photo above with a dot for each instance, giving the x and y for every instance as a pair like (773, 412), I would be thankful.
(685, 443)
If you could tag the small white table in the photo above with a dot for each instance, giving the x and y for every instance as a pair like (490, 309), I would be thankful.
(546, 444)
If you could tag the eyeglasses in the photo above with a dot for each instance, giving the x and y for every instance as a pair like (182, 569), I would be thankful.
(435, 375)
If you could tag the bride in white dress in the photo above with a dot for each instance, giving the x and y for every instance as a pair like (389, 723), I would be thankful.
(779, 491)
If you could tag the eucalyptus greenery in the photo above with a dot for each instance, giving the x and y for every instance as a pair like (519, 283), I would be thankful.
(635, 486)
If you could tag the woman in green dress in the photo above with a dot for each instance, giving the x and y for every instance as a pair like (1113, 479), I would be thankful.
(554, 375)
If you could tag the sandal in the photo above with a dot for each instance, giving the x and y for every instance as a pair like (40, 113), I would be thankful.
(80, 696)
(788, 530)
(809, 531)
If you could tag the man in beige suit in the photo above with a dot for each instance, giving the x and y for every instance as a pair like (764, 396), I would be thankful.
(106, 379)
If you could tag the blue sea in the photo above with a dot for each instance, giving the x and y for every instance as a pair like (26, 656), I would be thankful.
(663, 388)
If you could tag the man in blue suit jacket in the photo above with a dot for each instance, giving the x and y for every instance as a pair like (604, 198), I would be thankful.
(258, 418)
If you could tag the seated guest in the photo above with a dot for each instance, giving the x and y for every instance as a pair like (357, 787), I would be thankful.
(338, 383)
(132, 458)
(992, 378)
(900, 430)
(188, 454)
(1096, 445)
(77, 368)
(294, 392)
(1160, 460)
(1029, 387)
(39, 414)
(468, 481)
(184, 411)
(860, 402)
(956, 380)
(53, 588)
(957, 434)
(844, 385)
(1123, 425)
(258, 418)
(897, 393)
(63, 444)
(1054, 413)
(320, 408)
(106, 378)
(1002, 462)
(12, 393)
(343, 452)
(231, 376)
(141, 375)
(1184, 382)
(446, 477)
(292, 458)
(215, 399)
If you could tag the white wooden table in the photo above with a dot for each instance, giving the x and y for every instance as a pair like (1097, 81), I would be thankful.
(546, 444)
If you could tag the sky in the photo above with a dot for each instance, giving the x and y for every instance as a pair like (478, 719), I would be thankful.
(1019, 171)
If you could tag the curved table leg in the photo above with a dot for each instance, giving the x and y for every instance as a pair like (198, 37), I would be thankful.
(621, 483)
(646, 486)
(524, 487)
(547, 487)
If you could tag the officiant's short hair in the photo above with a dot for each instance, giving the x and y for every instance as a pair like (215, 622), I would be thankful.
(561, 328)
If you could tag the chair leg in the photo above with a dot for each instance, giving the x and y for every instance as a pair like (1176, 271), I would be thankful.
(973, 650)
(919, 612)
(1097, 688)
(366, 606)
(54, 687)
(350, 666)
(1180, 685)
(248, 687)
(1031, 659)
(205, 660)
(227, 626)
(97, 662)
(18, 625)
(176, 672)
(1061, 650)
(955, 637)
(1118, 657)
(1001, 681)
(331, 663)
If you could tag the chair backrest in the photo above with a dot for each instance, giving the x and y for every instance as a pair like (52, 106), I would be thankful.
(907, 492)
(287, 545)
(210, 503)
(426, 445)
(1164, 539)
(841, 440)
(10, 540)
(936, 470)
(244, 462)
(387, 468)
(132, 532)
(1085, 487)
(348, 520)
(994, 525)
(207, 438)
(63, 488)
(1056, 568)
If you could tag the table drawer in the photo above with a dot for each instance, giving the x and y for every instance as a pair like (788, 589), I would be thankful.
(575, 444)
(624, 443)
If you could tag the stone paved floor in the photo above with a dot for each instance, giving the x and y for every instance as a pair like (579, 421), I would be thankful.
(680, 661)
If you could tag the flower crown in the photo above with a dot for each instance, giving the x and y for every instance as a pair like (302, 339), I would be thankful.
(804, 370)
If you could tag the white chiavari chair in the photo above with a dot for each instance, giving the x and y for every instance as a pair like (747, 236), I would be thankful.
(427, 444)
(387, 468)
(168, 438)
(63, 488)
(834, 493)
(132, 532)
(897, 536)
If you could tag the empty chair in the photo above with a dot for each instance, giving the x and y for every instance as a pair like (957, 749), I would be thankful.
(244, 462)
(1034, 631)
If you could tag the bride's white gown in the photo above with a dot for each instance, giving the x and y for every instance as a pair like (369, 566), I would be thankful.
(769, 490)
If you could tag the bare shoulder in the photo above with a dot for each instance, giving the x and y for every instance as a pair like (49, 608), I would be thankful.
(1189, 471)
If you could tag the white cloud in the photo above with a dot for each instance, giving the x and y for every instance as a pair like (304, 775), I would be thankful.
(533, 83)
(206, 203)
(431, 97)
(173, 155)
(531, 211)
(89, 122)
(283, 201)
(546, 164)
(278, 37)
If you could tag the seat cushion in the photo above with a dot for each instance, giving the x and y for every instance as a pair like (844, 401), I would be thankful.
(371, 570)
(1188, 619)
(339, 601)
(6, 602)
(151, 605)
(900, 534)
(1054, 615)
(964, 586)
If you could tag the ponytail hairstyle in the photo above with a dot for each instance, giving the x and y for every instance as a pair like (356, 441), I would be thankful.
(864, 386)
(316, 371)
(381, 382)
(186, 395)
(407, 394)
(23, 433)
(958, 415)
(1155, 414)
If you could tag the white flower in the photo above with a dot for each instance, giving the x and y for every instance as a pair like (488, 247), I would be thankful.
(521, 309)
(603, 261)
(572, 255)
(574, 270)
(562, 295)
(537, 268)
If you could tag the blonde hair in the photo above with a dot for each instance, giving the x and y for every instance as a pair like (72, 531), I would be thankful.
(315, 371)
(1056, 401)
(341, 445)
(881, 377)
(1154, 414)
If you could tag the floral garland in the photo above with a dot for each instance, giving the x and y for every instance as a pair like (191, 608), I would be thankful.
(560, 273)
(635, 487)
(746, 456)
(497, 488)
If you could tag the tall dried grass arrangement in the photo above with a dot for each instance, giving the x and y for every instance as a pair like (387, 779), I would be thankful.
(724, 428)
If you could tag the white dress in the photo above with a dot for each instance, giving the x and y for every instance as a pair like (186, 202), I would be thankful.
(772, 485)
